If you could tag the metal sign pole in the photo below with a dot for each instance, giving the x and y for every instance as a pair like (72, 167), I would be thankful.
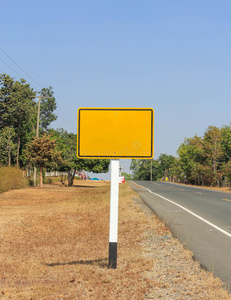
(114, 205)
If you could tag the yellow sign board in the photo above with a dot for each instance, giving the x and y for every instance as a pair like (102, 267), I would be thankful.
(115, 133)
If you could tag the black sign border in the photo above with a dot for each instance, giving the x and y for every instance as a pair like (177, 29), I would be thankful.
(111, 156)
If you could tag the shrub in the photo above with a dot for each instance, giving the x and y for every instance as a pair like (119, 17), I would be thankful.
(50, 180)
(12, 178)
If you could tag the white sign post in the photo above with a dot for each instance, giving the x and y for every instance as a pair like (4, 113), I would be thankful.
(115, 133)
(114, 205)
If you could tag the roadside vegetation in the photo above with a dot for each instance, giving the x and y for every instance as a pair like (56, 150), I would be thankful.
(54, 245)
(202, 160)
(11, 179)
(54, 241)
(19, 144)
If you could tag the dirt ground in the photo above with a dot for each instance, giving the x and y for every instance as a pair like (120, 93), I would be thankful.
(54, 245)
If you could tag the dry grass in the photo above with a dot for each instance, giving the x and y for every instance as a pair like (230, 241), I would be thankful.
(54, 245)
(11, 178)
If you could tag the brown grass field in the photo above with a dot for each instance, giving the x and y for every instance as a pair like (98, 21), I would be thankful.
(54, 245)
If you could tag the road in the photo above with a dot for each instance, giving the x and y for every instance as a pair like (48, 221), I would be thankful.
(199, 218)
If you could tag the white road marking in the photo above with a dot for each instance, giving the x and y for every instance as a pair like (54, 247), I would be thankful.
(189, 211)
(199, 193)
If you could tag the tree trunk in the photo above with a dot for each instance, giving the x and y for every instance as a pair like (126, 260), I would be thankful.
(41, 176)
(18, 152)
(62, 178)
(18, 145)
(9, 150)
(71, 176)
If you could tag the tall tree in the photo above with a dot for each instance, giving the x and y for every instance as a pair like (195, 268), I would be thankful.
(42, 153)
(17, 108)
(226, 143)
(135, 168)
(141, 168)
(48, 106)
(206, 160)
(191, 158)
(7, 145)
(165, 163)
(176, 171)
(226, 148)
(214, 152)
(227, 170)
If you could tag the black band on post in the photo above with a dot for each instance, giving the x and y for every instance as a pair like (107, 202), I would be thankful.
(112, 255)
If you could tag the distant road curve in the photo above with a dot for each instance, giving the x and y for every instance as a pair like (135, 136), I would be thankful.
(199, 218)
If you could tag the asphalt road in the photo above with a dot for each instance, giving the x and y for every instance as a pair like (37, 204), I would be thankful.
(199, 218)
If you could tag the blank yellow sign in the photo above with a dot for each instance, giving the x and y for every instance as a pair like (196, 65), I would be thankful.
(115, 133)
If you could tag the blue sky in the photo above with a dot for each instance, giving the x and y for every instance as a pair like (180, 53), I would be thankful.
(173, 56)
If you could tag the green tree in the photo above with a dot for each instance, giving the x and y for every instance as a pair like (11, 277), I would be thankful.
(7, 145)
(165, 163)
(226, 143)
(226, 148)
(48, 106)
(17, 108)
(214, 152)
(191, 157)
(206, 160)
(135, 167)
(176, 171)
(227, 170)
(42, 153)
(141, 169)
(126, 176)
(156, 170)
(67, 144)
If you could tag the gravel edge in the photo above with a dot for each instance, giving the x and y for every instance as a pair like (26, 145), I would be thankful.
(176, 274)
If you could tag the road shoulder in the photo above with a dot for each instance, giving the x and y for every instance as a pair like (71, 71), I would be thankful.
(176, 273)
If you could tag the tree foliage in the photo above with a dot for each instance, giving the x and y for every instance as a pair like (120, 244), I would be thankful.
(206, 160)
(17, 109)
(7, 145)
(67, 144)
(126, 176)
(42, 152)
(143, 169)
(48, 106)
(202, 160)
(18, 114)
